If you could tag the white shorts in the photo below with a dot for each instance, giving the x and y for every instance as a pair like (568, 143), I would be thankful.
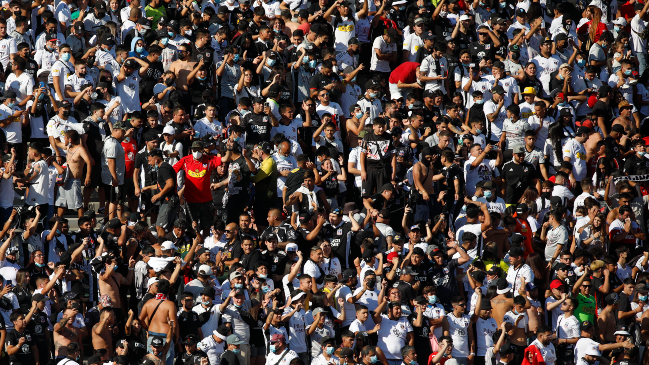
(69, 195)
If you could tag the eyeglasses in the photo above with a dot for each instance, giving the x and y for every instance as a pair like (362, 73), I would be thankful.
(461, 305)
(586, 286)
(229, 231)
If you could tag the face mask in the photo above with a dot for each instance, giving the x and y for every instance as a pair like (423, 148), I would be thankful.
(443, 14)
(604, 45)
(642, 298)
(354, 79)
(238, 286)
(11, 105)
(478, 131)
(563, 103)
(197, 155)
(466, 64)
(65, 57)
(617, 29)
(236, 351)
(561, 77)
(359, 115)
(265, 289)
(115, 268)
(515, 312)
(641, 154)
(502, 5)
(546, 195)
(139, 49)
(371, 283)
(200, 78)
(312, 63)
(272, 348)
(581, 62)
(78, 357)
(628, 72)
(236, 58)
(413, 362)
(479, 102)
(329, 350)
(188, 33)
(169, 81)
(402, 8)
(238, 305)
(373, 95)
(374, 359)
(487, 194)
(432, 299)
(171, 34)
(270, 62)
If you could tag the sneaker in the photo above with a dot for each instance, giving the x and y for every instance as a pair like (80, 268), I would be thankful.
(100, 210)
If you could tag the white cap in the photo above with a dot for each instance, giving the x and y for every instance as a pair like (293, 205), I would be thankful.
(399, 2)
(151, 281)
(592, 351)
(462, 18)
(291, 247)
(620, 21)
(204, 270)
(169, 130)
(168, 245)
(504, 291)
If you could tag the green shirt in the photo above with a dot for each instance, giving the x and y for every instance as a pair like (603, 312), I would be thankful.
(585, 309)
(156, 14)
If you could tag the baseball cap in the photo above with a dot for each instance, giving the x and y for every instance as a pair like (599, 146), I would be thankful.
(521, 208)
(168, 245)
(197, 144)
(519, 148)
(622, 330)
(277, 337)
(191, 339)
(157, 341)
(297, 294)
(556, 284)
(529, 90)
(515, 251)
(618, 128)
(235, 274)
(78, 28)
(234, 340)
(204, 270)
(291, 247)
(114, 223)
(612, 298)
(144, 23)
(209, 292)
(348, 274)
(169, 130)
(38, 297)
(409, 270)
(583, 130)
(495, 270)
(561, 37)
(502, 286)
(620, 21)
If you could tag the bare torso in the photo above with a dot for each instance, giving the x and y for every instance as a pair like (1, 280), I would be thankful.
(160, 321)
(182, 70)
(68, 334)
(591, 145)
(75, 162)
(103, 340)
(111, 288)
(606, 322)
(499, 306)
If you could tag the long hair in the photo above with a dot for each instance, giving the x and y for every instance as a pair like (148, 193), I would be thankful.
(556, 135)
(594, 25)
(529, 195)
(537, 264)
(21, 277)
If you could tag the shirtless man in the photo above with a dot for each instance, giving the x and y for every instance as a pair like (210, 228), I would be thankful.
(518, 323)
(501, 304)
(626, 116)
(77, 157)
(424, 180)
(110, 282)
(65, 333)
(160, 347)
(102, 332)
(182, 67)
(156, 316)
(607, 319)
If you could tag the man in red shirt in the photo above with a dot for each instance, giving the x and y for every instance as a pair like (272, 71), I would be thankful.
(198, 168)
(130, 150)
(403, 80)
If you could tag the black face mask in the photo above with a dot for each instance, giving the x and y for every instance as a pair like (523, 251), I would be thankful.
(425, 161)
(516, 56)
(17, 13)
(82, 75)
(66, 113)
(371, 284)
(91, 61)
(100, 94)
(169, 81)
(546, 195)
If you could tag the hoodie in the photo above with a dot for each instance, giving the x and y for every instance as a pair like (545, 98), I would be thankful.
(135, 54)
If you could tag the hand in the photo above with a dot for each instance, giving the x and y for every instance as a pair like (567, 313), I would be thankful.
(155, 198)
(114, 182)
(137, 191)
(341, 302)
(131, 262)
(130, 313)
(520, 318)
(21, 341)
(363, 175)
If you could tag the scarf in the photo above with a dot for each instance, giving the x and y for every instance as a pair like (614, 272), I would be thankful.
(160, 297)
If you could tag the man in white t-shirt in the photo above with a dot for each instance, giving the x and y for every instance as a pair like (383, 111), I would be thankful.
(575, 153)
(279, 354)
(479, 168)
(128, 83)
(496, 113)
(543, 342)
(638, 25)
(395, 333)
(384, 51)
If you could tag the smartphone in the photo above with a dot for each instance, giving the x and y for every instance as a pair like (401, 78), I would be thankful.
(367, 110)
(42, 84)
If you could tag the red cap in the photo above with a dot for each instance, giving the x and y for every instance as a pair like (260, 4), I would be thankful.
(585, 123)
(392, 255)
(556, 284)
(592, 99)
(561, 96)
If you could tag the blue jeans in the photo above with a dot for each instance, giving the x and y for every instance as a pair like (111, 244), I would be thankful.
(642, 62)
(169, 360)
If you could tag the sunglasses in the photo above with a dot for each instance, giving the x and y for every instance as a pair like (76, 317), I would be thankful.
(229, 231)
(586, 286)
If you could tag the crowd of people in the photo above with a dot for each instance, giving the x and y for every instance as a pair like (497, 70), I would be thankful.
(324, 182)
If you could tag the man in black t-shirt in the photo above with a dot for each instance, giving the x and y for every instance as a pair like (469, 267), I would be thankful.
(152, 74)
(258, 124)
(377, 161)
(20, 345)
(165, 192)
(454, 180)
(603, 112)
(519, 175)
(486, 45)
(635, 162)
(145, 175)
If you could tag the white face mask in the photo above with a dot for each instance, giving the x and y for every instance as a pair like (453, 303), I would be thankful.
(197, 155)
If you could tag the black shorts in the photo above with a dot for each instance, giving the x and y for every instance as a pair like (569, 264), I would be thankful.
(375, 180)
(95, 174)
(115, 194)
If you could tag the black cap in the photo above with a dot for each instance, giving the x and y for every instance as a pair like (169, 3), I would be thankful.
(387, 187)
(516, 251)
(191, 339)
(162, 33)
(521, 208)
(583, 130)
(114, 223)
(520, 12)
(164, 20)
(9, 94)
(618, 128)
(498, 90)
(79, 28)
(144, 23)
(348, 274)
(101, 6)
(556, 202)
(499, 64)
(223, 10)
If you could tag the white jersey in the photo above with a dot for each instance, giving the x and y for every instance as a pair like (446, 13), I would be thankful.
(129, 91)
(544, 67)
(548, 352)
(485, 329)
(485, 171)
(392, 336)
(459, 330)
